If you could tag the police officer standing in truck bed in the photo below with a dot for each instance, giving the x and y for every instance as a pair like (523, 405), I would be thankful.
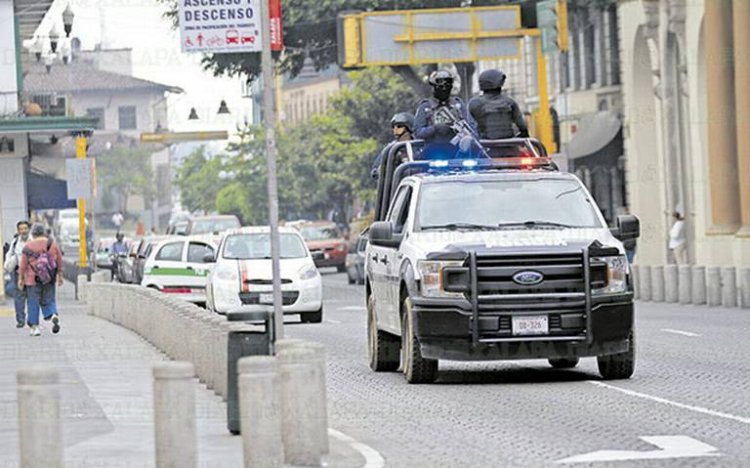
(496, 113)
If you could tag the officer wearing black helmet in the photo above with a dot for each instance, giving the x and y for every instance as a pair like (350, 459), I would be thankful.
(402, 125)
(431, 123)
(494, 112)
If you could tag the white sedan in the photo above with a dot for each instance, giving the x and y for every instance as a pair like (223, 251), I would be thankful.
(242, 274)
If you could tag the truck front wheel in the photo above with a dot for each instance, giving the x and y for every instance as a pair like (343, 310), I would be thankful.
(416, 368)
(618, 366)
(383, 348)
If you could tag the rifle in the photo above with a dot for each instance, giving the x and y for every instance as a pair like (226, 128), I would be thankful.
(461, 127)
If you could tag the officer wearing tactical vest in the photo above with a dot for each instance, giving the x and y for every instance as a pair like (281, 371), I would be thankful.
(432, 123)
(494, 112)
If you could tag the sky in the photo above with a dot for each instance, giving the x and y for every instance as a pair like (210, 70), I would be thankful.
(139, 24)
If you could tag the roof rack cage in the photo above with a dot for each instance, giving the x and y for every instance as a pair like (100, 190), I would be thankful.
(404, 158)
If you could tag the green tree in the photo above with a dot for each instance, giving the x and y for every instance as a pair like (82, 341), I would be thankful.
(198, 180)
(124, 172)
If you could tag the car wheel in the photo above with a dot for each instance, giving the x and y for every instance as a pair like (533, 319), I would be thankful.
(563, 363)
(620, 365)
(383, 348)
(417, 369)
(312, 317)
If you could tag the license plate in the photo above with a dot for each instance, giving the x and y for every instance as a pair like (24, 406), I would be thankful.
(266, 298)
(531, 325)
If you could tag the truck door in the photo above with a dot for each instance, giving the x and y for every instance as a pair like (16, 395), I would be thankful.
(398, 215)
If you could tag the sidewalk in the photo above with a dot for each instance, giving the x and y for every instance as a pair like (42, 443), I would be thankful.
(106, 394)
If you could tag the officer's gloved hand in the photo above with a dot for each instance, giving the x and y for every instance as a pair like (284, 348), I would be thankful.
(443, 133)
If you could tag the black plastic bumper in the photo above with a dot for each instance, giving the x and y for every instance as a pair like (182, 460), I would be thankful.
(444, 331)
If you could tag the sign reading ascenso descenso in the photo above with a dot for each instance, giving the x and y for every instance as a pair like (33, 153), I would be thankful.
(220, 26)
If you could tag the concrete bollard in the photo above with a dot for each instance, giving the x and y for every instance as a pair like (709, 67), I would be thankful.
(221, 382)
(657, 284)
(685, 283)
(729, 287)
(318, 384)
(174, 415)
(745, 288)
(644, 271)
(39, 426)
(213, 346)
(698, 293)
(260, 411)
(81, 281)
(713, 280)
(298, 402)
(635, 278)
(671, 284)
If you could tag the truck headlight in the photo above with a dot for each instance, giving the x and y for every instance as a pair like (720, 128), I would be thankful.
(227, 273)
(431, 272)
(617, 272)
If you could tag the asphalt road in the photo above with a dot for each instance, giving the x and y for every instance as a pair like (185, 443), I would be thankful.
(688, 403)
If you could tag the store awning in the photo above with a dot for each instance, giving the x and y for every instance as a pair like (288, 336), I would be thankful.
(47, 193)
(595, 132)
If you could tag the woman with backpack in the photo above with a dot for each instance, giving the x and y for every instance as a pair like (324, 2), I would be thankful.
(41, 266)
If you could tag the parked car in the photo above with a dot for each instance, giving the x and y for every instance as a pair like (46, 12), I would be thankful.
(211, 224)
(242, 274)
(355, 260)
(103, 254)
(179, 266)
(326, 243)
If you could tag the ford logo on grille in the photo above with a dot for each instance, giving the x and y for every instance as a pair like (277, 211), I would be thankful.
(528, 278)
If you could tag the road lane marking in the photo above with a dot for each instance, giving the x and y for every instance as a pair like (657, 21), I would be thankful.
(697, 409)
(679, 332)
(352, 308)
(331, 321)
(668, 447)
(373, 459)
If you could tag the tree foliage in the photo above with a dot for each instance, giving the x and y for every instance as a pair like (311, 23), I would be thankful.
(198, 180)
(124, 172)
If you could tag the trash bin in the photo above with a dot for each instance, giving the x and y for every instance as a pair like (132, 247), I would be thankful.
(254, 341)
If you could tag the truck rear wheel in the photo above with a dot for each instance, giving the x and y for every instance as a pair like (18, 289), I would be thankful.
(383, 348)
(620, 365)
(416, 368)
(563, 363)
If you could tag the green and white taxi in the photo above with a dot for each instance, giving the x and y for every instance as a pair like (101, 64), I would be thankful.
(178, 266)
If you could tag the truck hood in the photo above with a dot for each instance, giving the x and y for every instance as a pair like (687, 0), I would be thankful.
(515, 240)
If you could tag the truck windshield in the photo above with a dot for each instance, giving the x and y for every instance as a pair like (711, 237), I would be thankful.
(506, 204)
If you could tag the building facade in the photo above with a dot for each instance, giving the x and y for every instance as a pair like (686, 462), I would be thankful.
(686, 87)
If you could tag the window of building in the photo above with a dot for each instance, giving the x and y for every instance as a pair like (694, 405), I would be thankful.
(97, 113)
(127, 117)
(614, 46)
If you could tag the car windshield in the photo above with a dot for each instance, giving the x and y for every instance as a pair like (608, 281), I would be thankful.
(500, 204)
(258, 246)
(208, 226)
(319, 233)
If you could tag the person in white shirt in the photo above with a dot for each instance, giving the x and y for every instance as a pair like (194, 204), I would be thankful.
(677, 240)
(12, 262)
(117, 220)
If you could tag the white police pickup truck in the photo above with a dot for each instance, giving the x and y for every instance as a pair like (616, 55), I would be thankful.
(475, 262)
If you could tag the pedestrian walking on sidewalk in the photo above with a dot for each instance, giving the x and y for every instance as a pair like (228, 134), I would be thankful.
(12, 264)
(41, 267)
(677, 240)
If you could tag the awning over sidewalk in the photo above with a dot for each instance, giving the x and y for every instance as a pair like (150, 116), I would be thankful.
(47, 193)
(47, 124)
(595, 132)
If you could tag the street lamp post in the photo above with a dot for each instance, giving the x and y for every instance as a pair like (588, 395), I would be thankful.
(269, 111)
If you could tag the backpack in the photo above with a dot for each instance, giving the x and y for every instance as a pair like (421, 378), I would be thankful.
(46, 265)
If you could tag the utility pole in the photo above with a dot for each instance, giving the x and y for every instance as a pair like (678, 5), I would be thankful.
(269, 115)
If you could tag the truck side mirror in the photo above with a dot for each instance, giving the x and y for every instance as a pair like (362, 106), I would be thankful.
(628, 227)
(381, 234)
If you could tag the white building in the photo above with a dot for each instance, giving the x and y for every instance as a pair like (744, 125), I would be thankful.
(686, 87)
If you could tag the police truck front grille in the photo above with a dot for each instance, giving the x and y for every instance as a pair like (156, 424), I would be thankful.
(560, 273)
